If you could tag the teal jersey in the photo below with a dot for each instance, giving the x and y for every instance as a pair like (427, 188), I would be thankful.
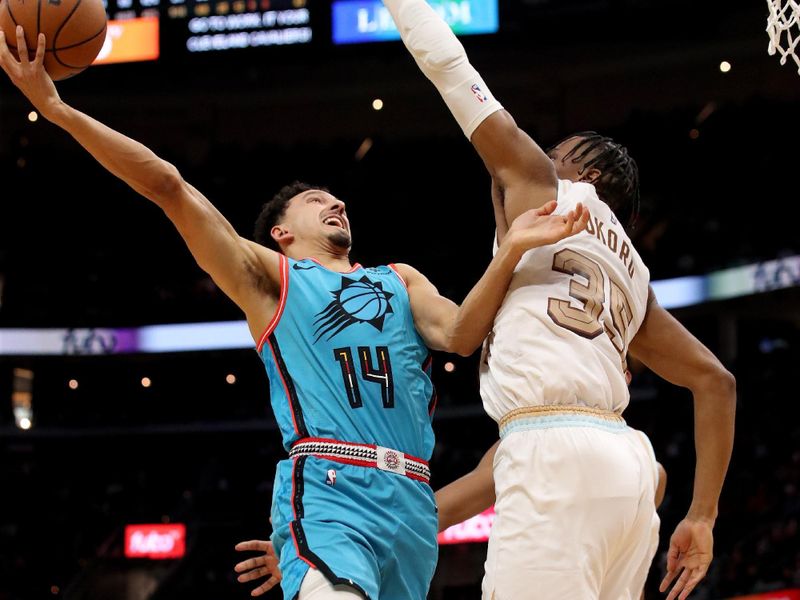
(345, 361)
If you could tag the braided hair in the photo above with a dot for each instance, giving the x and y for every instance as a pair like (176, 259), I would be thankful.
(618, 184)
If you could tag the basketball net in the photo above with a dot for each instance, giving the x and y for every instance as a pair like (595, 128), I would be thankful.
(784, 18)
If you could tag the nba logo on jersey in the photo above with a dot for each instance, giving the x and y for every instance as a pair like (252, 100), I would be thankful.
(331, 478)
(478, 93)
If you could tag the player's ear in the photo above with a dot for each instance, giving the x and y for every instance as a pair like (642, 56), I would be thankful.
(281, 234)
(591, 175)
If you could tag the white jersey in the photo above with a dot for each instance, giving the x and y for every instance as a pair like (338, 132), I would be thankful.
(562, 333)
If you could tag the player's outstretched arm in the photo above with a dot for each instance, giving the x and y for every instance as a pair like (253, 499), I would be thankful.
(243, 270)
(461, 329)
(517, 164)
(673, 353)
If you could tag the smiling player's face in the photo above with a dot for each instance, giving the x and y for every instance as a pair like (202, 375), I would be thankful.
(315, 215)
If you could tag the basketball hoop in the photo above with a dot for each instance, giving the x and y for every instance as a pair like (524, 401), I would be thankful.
(784, 18)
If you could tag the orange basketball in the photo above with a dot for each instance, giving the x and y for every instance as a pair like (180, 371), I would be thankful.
(75, 31)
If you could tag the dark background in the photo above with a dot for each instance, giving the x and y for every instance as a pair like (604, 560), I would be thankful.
(78, 248)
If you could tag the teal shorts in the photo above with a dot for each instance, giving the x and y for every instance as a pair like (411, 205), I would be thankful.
(372, 530)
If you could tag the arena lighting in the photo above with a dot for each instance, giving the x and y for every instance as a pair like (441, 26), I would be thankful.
(155, 541)
(33, 116)
(22, 398)
(363, 148)
(230, 378)
(709, 109)
(725, 66)
(674, 293)
(449, 366)
(146, 383)
(377, 104)
(73, 384)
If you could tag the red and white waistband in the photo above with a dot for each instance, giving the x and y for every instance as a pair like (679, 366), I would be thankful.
(363, 455)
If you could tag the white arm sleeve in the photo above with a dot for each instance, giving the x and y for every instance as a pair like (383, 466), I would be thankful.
(441, 57)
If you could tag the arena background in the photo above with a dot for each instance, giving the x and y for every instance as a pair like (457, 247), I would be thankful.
(718, 155)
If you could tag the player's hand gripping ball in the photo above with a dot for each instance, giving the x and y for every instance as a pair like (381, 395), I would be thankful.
(75, 31)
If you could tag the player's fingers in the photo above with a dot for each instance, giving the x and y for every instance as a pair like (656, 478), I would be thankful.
(39, 59)
(580, 221)
(679, 585)
(687, 589)
(668, 579)
(266, 586)
(250, 563)
(585, 216)
(6, 58)
(695, 577)
(570, 222)
(22, 47)
(547, 208)
(673, 555)
(257, 545)
(254, 574)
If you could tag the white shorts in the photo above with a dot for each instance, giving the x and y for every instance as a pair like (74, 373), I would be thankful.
(575, 508)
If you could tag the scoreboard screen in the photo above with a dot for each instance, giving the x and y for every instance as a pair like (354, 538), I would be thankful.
(358, 21)
(224, 24)
(141, 30)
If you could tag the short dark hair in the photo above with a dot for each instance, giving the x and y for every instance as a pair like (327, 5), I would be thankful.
(272, 212)
(618, 185)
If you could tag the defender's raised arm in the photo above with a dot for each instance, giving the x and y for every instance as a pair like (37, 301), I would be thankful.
(517, 164)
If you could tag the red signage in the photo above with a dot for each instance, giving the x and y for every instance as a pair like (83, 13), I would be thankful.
(155, 541)
(781, 595)
(474, 529)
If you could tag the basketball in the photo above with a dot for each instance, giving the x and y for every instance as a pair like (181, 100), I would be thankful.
(75, 31)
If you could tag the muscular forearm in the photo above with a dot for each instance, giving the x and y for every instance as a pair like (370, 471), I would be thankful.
(666, 347)
(473, 320)
(127, 159)
(441, 58)
(714, 412)
(469, 495)
(464, 498)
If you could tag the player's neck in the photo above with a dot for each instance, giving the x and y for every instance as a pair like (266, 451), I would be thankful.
(338, 264)
(334, 259)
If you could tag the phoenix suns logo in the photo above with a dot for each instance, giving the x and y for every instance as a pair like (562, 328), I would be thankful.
(357, 301)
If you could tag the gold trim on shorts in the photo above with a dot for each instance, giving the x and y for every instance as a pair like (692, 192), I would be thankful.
(552, 410)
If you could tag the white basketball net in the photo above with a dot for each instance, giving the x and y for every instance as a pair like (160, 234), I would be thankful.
(783, 27)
